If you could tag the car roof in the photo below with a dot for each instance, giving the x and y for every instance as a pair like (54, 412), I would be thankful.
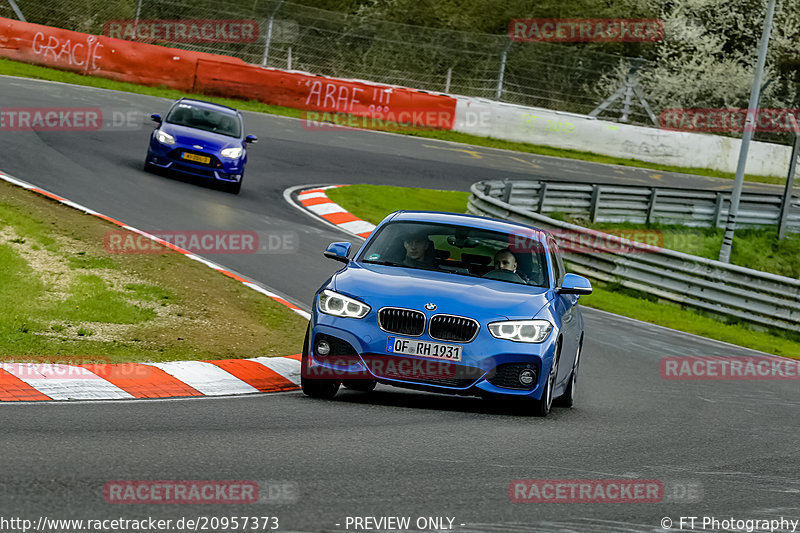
(459, 219)
(208, 105)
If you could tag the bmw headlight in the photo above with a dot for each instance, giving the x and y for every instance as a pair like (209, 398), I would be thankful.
(164, 137)
(521, 330)
(232, 153)
(333, 303)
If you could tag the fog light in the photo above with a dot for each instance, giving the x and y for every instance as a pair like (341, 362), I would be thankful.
(323, 348)
(526, 377)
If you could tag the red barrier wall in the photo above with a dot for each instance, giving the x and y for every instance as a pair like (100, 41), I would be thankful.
(319, 93)
(148, 64)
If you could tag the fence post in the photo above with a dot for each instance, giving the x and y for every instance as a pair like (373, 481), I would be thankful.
(786, 203)
(289, 59)
(269, 34)
(595, 205)
(499, 91)
(447, 82)
(22, 18)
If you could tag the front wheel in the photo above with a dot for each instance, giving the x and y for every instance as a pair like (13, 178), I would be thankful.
(568, 398)
(541, 407)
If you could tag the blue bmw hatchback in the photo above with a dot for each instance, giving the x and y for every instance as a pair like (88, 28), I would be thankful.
(200, 139)
(449, 303)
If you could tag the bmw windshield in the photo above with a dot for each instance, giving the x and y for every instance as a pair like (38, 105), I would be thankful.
(459, 250)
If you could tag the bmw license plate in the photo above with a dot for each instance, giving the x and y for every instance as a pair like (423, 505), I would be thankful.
(198, 158)
(435, 350)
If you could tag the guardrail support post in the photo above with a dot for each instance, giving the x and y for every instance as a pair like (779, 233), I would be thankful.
(542, 195)
(508, 186)
(717, 210)
(652, 207)
(595, 205)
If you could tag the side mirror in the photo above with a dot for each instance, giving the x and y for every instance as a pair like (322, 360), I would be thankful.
(251, 139)
(156, 118)
(574, 284)
(338, 251)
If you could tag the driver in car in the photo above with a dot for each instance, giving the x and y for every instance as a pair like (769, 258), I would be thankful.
(417, 255)
(505, 260)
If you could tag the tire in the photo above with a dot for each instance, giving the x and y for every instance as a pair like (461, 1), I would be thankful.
(360, 385)
(541, 407)
(315, 388)
(149, 167)
(568, 398)
(234, 188)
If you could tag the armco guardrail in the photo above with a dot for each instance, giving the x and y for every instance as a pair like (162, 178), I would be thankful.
(639, 205)
(757, 297)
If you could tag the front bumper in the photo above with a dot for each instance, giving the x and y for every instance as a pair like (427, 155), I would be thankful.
(168, 157)
(488, 366)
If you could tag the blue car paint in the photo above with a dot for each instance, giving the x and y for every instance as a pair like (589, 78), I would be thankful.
(485, 300)
(167, 157)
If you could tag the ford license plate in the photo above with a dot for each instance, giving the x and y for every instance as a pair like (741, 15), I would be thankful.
(435, 350)
(198, 158)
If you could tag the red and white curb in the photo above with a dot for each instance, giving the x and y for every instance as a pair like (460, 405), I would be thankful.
(25, 382)
(314, 200)
(42, 382)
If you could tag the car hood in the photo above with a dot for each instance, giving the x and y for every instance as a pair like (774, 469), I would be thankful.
(380, 286)
(208, 140)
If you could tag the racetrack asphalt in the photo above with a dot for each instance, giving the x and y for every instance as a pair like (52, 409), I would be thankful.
(732, 444)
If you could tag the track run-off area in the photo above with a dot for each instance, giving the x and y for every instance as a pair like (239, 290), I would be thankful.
(719, 448)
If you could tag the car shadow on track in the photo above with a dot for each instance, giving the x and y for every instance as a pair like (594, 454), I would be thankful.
(390, 397)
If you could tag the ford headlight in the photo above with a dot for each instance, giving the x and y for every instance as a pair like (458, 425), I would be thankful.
(333, 303)
(164, 137)
(521, 330)
(232, 153)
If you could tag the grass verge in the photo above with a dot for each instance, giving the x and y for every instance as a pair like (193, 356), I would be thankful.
(64, 298)
(14, 68)
(374, 202)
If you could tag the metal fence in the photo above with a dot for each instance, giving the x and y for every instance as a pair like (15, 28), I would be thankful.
(644, 205)
(292, 36)
(728, 290)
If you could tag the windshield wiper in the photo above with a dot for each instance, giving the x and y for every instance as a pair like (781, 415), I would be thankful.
(385, 263)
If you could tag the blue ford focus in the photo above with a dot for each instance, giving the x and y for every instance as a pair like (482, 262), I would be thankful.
(200, 139)
(452, 304)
